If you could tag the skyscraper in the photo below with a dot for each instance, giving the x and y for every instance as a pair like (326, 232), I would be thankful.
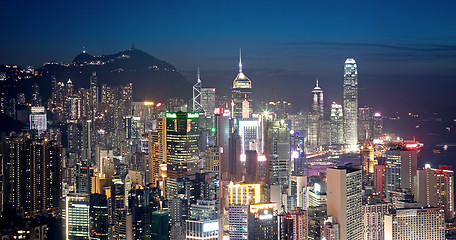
(208, 101)
(336, 124)
(344, 200)
(350, 103)
(318, 101)
(77, 216)
(182, 147)
(435, 187)
(367, 162)
(196, 100)
(277, 151)
(241, 96)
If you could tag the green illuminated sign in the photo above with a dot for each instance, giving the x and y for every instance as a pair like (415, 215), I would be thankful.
(213, 130)
(171, 115)
(193, 115)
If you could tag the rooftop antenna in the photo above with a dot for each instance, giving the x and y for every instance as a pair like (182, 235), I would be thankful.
(240, 59)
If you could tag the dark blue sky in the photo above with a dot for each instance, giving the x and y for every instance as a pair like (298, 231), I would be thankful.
(406, 50)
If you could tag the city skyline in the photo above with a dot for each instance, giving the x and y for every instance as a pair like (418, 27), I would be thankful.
(290, 43)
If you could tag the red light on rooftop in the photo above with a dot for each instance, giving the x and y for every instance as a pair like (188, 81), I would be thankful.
(213, 89)
(412, 145)
(443, 167)
(158, 104)
(218, 110)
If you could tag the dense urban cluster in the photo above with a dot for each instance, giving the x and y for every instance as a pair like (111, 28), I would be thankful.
(93, 164)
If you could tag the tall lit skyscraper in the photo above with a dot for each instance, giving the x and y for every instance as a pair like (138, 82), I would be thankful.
(208, 101)
(182, 147)
(93, 94)
(241, 96)
(344, 200)
(196, 100)
(351, 103)
(277, 151)
(337, 124)
(318, 100)
(367, 162)
(77, 216)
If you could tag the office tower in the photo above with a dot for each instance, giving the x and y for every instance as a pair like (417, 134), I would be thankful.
(418, 223)
(401, 166)
(83, 178)
(241, 96)
(262, 221)
(281, 109)
(208, 101)
(203, 222)
(238, 222)
(337, 124)
(377, 126)
(277, 151)
(98, 217)
(196, 100)
(157, 152)
(345, 200)
(235, 170)
(244, 193)
(77, 216)
(365, 121)
(367, 162)
(435, 187)
(222, 126)
(250, 133)
(132, 127)
(93, 95)
(298, 155)
(38, 119)
(293, 224)
(313, 131)
(142, 201)
(212, 161)
(373, 220)
(36, 97)
(350, 104)
(147, 113)
(380, 180)
(330, 229)
(298, 122)
(182, 148)
(318, 104)
(73, 107)
(160, 225)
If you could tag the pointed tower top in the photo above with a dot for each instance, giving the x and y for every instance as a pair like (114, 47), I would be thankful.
(199, 79)
(240, 60)
(317, 82)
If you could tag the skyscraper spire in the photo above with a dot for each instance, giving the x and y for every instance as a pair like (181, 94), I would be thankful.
(317, 82)
(240, 60)
(199, 79)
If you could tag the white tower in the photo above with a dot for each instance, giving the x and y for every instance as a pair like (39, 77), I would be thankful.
(197, 106)
(318, 100)
(351, 104)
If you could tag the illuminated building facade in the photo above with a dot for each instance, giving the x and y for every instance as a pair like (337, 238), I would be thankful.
(262, 222)
(244, 194)
(345, 200)
(250, 133)
(241, 96)
(77, 216)
(365, 120)
(212, 161)
(38, 119)
(277, 151)
(293, 224)
(415, 223)
(157, 153)
(337, 124)
(208, 101)
(401, 167)
(350, 103)
(435, 187)
(318, 104)
(182, 147)
(367, 162)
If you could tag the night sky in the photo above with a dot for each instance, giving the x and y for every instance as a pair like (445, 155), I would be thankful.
(405, 50)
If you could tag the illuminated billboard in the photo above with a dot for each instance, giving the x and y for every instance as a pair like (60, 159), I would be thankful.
(210, 226)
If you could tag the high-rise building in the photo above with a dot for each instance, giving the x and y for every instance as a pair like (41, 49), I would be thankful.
(77, 216)
(337, 124)
(345, 200)
(203, 222)
(244, 193)
(157, 152)
(38, 119)
(241, 96)
(212, 161)
(350, 103)
(196, 99)
(318, 104)
(182, 148)
(262, 221)
(401, 167)
(377, 126)
(435, 187)
(373, 220)
(330, 229)
(208, 101)
(293, 225)
(98, 217)
(367, 162)
(159, 225)
(379, 178)
(250, 133)
(415, 223)
(365, 121)
(93, 95)
(277, 151)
